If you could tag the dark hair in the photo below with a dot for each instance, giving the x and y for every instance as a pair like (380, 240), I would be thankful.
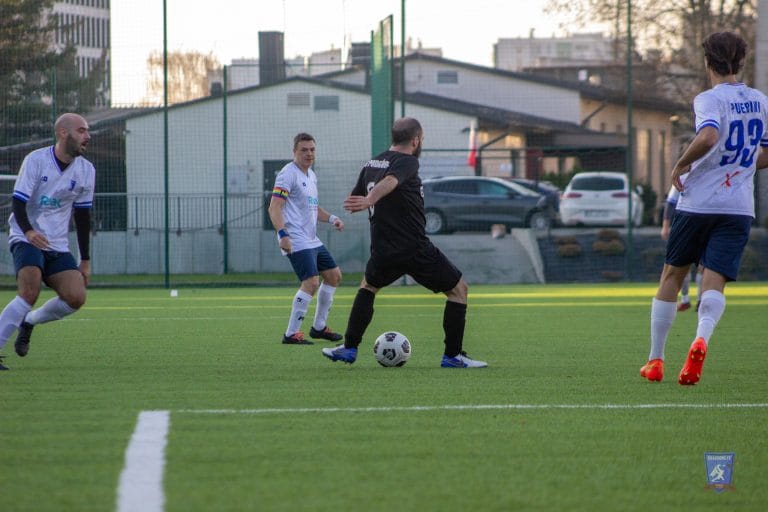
(725, 52)
(404, 130)
(302, 137)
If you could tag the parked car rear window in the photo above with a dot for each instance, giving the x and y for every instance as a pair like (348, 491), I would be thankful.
(466, 187)
(597, 183)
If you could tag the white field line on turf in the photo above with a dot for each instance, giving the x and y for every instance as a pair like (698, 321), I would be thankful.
(141, 482)
(418, 408)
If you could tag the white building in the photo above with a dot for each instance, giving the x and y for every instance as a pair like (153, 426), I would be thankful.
(516, 54)
(86, 24)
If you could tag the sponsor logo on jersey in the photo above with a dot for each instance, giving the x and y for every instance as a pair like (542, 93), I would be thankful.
(50, 202)
(378, 164)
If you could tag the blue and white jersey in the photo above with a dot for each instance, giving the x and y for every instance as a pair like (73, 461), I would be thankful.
(722, 181)
(51, 194)
(300, 211)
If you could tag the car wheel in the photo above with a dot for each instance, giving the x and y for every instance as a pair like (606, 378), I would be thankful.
(435, 222)
(539, 221)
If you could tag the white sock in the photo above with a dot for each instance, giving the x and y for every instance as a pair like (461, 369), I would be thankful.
(11, 317)
(54, 309)
(711, 309)
(298, 311)
(324, 301)
(662, 316)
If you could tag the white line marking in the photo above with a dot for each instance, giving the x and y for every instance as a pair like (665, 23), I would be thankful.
(141, 482)
(417, 408)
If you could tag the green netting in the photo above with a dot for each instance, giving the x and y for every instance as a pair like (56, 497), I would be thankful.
(230, 120)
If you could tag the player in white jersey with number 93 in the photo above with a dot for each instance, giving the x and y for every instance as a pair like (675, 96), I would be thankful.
(716, 206)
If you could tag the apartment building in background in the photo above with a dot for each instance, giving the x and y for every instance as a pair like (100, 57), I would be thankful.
(86, 24)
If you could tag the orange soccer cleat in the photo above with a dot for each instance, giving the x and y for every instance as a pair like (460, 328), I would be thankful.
(683, 306)
(691, 372)
(653, 370)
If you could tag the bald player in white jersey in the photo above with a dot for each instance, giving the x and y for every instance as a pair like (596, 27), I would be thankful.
(716, 206)
(53, 183)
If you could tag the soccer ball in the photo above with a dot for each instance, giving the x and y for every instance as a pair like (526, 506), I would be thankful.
(392, 349)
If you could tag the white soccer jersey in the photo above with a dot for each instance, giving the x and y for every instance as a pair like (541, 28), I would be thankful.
(50, 195)
(722, 181)
(300, 211)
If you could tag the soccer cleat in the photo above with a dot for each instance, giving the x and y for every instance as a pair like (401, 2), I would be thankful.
(2, 366)
(691, 372)
(653, 370)
(325, 334)
(461, 360)
(684, 306)
(341, 353)
(22, 339)
(296, 338)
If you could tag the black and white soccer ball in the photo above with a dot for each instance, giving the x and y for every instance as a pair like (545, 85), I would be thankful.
(392, 349)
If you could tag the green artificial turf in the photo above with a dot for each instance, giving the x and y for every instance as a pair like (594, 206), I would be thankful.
(257, 425)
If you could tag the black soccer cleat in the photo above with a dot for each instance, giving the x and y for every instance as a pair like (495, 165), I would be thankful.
(2, 366)
(22, 339)
(325, 334)
(296, 338)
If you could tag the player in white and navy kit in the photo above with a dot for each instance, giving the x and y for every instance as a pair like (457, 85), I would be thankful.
(53, 182)
(294, 210)
(716, 206)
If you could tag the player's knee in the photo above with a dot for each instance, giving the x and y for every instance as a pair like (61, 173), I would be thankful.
(75, 299)
(459, 292)
(29, 295)
(311, 285)
(333, 277)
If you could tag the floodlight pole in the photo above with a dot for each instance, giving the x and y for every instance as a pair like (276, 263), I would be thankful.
(165, 145)
(630, 136)
(402, 58)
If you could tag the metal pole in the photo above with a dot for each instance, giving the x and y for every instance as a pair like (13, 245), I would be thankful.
(402, 58)
(226, 165)
(630, 141)
(165, 145)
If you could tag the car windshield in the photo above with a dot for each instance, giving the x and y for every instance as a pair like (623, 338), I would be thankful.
(599, 183)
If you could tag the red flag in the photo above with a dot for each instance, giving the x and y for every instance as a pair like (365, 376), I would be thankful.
(472, 158)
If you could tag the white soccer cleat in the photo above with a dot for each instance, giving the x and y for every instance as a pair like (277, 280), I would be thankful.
(462, 360)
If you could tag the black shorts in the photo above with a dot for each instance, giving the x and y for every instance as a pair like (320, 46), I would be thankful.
(428, 267)
(715, 241)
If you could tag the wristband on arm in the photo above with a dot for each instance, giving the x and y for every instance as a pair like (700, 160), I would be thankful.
(332, 218)
(282, 233)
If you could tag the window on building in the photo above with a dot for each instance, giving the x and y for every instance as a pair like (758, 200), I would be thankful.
(447, 77)
(298, 99)
(327, 102)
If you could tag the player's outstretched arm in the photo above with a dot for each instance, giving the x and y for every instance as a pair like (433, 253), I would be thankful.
(358, 203)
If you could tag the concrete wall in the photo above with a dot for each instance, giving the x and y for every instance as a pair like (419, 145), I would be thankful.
(483, 260)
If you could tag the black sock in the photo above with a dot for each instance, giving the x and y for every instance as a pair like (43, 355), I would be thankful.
(454, 319)
(359, 317)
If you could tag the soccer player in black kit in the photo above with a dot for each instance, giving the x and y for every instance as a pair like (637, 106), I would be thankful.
(390, 189)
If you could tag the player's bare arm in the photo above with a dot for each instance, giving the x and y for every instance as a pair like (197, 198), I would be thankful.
(275, 211)
(700, 146)
(359, 203)
(325, 216)
(762, 158)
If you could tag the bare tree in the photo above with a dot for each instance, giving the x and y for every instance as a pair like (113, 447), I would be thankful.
(672, 29)
(187, 75)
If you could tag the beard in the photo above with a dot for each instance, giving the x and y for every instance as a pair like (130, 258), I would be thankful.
(417, 151)
(72, 148)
